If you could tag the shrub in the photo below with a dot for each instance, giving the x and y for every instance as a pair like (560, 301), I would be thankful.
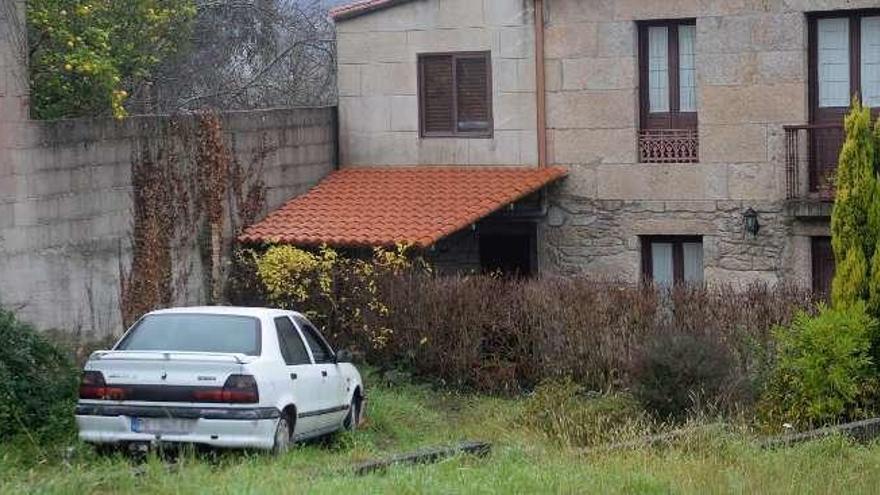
(825, 371)
(855, 218)
(502, 335)
(679, 373)
(243, 285)
(38, 384)
(339, 294)
(561, 409)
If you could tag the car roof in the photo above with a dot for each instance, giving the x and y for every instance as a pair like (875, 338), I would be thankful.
(225, 310)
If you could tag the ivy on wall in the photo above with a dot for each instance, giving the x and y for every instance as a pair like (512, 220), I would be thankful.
(185, 181)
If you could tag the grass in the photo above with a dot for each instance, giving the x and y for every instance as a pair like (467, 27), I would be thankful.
(403, 418)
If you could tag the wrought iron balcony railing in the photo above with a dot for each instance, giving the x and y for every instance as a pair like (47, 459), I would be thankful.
(811, 153)
(668, 146)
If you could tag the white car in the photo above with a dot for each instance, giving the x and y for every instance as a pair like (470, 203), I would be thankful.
(219, 376)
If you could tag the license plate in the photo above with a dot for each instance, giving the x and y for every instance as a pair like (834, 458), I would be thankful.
(165, 426)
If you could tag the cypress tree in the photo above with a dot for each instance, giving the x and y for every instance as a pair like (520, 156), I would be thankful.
(855, 219)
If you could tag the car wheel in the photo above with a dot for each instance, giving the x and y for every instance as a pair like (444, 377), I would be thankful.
(282, 437)
(354, 415)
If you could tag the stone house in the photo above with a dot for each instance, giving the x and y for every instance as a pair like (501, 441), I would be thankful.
(698, 136)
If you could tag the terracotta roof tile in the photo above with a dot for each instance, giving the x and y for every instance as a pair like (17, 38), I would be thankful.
(380, 206)
(361, 7)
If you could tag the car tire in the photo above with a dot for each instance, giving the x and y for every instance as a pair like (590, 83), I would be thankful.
(354, 415)
(282, 437)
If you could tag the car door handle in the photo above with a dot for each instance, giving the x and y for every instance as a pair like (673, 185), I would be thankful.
(293, 376)
(323, 372)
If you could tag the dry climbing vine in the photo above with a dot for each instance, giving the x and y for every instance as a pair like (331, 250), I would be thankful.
(214, 163)
(184, 178)
(158, 204)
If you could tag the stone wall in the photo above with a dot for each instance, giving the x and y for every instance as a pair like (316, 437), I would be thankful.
(602, 238)
(378, 106)
(752, 79)
(66, 206)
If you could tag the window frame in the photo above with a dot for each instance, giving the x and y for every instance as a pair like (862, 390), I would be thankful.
(674, 118)
(678, 242)
(489, 133)
(126, 337)
(819, 114)
(282, 342)
(304, 325)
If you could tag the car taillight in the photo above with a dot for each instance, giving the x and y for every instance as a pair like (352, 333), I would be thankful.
(240, 389)
(93, 386)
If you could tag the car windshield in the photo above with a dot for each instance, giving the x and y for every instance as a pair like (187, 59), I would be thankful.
(195, 333)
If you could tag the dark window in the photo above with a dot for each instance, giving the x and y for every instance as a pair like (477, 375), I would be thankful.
(509, 249)
(668, 260)
(292, 347)
(668, 91)
(823, 265)
(320, 350)
(455, 94)
(195, 333)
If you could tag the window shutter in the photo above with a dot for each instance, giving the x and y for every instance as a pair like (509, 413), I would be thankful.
(473, 93)
(437, 103)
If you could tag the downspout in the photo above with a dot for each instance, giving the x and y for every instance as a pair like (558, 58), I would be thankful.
(540, 84)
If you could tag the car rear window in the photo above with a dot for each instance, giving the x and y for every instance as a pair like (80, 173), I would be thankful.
(195, 333)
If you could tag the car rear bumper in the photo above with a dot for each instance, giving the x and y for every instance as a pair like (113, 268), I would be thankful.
(217, 427)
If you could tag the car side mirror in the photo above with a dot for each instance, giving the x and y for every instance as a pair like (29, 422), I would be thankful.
(343, 356)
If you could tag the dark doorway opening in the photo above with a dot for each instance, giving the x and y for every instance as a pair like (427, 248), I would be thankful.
(510, 253)
(823, 266)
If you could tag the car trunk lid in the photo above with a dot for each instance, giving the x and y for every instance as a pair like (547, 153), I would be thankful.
(167, 369)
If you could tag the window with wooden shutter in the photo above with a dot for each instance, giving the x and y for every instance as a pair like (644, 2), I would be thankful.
(455, 95)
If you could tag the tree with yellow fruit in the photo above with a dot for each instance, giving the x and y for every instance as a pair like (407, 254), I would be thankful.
(87, 56)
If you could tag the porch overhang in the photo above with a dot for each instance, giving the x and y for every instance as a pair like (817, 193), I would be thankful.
(384, 206)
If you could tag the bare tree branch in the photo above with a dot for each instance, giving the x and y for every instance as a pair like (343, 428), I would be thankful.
(253, 82)
(248, 54)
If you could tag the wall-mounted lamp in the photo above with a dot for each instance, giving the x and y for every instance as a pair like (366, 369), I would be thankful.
(750, 221)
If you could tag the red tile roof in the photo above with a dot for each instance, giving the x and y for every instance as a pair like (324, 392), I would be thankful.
(383, 206)
(361, 7)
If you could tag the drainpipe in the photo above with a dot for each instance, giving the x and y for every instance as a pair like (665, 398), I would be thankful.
(540, 84)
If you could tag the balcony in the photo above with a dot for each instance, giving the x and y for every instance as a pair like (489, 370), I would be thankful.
(668, 146)
(811, 152)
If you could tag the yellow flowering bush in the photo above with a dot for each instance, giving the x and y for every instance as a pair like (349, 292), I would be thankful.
(338, 293)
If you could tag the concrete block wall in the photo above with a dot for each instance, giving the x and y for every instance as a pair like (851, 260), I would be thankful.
(66, 206)
(752, 78)
(378, 105)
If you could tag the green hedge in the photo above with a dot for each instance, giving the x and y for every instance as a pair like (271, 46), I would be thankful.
(38, 383)
(825, 369)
